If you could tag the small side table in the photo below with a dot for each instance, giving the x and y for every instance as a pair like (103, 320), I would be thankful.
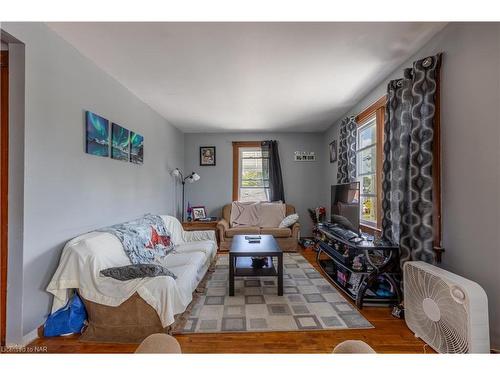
(202, 225)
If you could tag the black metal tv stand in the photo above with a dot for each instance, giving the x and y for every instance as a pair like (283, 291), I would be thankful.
(367, 271)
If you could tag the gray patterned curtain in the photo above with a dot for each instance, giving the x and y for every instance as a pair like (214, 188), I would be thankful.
(346, 170)
(407, 168)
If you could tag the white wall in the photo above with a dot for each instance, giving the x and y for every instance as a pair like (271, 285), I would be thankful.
(214, 190)
(470, 149)
(66, 191)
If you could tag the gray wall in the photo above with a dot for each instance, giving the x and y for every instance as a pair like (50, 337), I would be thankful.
(214, 190)
(470, 149)
(66, 191)
(16, 190)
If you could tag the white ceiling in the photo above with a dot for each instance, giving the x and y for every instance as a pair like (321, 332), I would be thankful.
(205, 77)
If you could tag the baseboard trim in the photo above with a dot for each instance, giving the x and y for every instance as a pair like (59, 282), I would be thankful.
(31, 336)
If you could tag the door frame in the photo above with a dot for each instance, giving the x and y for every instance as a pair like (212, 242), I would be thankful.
(4, 183)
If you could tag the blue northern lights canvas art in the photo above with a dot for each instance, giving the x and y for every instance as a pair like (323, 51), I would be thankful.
(136, 148)
(97, 129)
(119, 142)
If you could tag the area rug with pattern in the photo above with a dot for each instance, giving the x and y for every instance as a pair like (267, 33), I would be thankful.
(309, 302)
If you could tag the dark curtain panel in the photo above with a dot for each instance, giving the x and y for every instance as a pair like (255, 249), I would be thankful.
(346, 169)
(276, 191)
(407, 168)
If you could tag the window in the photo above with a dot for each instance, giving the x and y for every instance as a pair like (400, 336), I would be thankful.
(253, 174)
(366, 156)
(369, 144)
(250, 172)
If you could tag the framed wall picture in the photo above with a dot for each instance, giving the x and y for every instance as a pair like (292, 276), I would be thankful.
(333, 151)
(97, 135)
(119, 142)
(199, 213)
(136, 148)
(207, 155)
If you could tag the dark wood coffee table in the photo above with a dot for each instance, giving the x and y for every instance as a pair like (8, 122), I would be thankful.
(240, 259)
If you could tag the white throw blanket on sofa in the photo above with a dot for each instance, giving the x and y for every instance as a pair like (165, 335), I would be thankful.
(85, 256)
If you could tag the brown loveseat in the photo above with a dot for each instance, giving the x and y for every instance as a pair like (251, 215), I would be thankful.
(287, 238)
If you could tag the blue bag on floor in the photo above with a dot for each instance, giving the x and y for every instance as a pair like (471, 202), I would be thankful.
(67, 320)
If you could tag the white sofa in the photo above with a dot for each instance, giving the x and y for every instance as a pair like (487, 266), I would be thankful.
(85, 256)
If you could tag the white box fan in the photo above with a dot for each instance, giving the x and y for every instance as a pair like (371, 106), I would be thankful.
(447, 311)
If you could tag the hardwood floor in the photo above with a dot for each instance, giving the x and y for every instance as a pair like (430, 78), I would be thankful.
(390, 335)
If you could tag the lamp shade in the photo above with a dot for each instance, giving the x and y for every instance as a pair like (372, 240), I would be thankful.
(176, 172)
(193, 177)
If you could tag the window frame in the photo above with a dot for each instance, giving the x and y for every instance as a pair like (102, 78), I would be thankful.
(376, 109)
(370, 121)
(265, 181)
(236, 164)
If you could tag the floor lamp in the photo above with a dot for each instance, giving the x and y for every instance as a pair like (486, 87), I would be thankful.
(192, 177)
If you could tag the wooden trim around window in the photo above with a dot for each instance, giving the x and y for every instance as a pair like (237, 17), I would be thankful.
(371, 109)
(236, 163)
(4, 184)
(380, 157)
(377, 109)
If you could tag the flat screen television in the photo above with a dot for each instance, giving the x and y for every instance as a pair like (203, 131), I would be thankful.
(345, 205)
